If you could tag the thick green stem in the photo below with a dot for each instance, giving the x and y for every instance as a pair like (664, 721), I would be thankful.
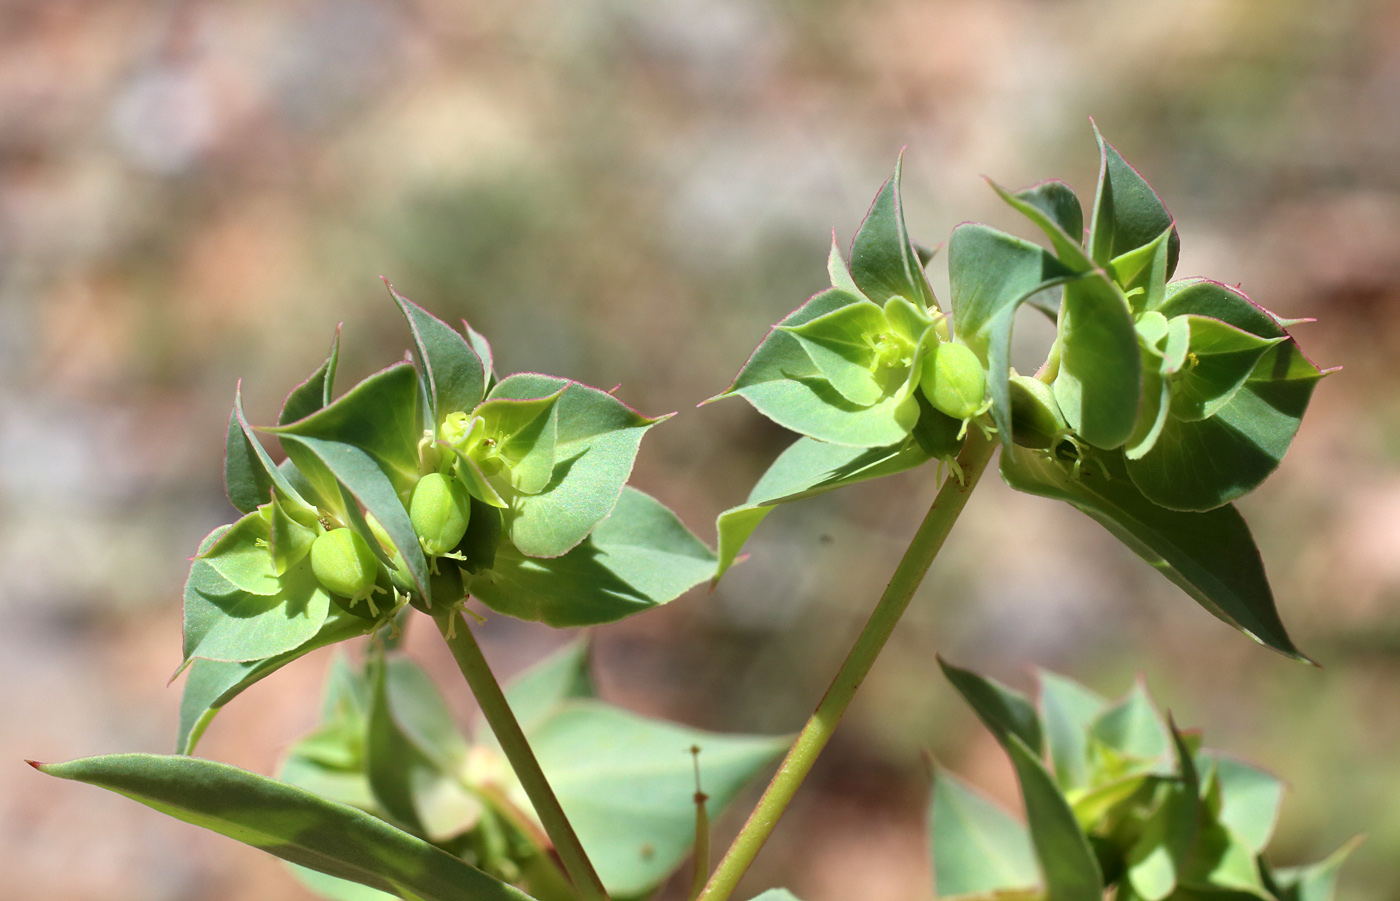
(927, 541)
(507, 729)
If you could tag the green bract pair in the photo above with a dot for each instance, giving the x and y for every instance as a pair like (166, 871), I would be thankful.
(426, 481)
(1159, 403)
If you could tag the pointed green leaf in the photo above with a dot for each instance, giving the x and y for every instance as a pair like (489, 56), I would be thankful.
(1067, 860)
(595, 445)
(883, 261)
(243, 556)
(781, 382)
(379, 416)
(478, 486)
(1142, 273)
(842, 347)
(289, 539)
(1055, 210)
(991, 274)
(454, 373)
(314, 393)
(361, 476)
(1132, 727)
(1211, 556)
(627, 784)
(211, 684)
(1128, 214)
(1222, 357)
(1100, 377)
(1167, 851)
(290, 823)
(1067, 709)
(838, 271)
(524, 433)
(1004, 711)
(639, 557)
(1317, 882)
(249, 473)
(805, 469)
(482, 347)
(978, 848)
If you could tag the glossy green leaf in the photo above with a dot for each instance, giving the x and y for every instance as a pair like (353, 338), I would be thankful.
(639, 557)
(453, 372)
(290, 536)
(314, 393)
(1067, 709)
(991, 274)
(1169, 847)
(379, 416)
(249, 473)
(841, 345)
(357, 472)
(1222, 357)
(627, 785)
(883, 261)
(1128, 214)
(805, 469)
(1249, 799)
(1071, 871)
(224, 622)
(211, 684)
(977, 847)
(1132, 727)
(1211, 556)
(781, 382)
(290, 823)
(1142, 273)
(595, 445)
(482, 347)
(1099, 382)
(1004, 711)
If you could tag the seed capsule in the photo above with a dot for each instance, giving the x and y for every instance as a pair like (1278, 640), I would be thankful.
(953, 380)
(440, 510)
(344, 564)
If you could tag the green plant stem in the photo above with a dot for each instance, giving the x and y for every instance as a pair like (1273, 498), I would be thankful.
(518, 752)
(927, 541)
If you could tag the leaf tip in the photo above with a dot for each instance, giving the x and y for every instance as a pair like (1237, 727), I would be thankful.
(36, 764)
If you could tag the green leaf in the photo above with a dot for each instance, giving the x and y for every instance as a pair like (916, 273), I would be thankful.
(1142, 273)
(1317, 882)
(838, 271)
(524, 433)
(1128, 214)
(243, 557)
(1223, 357)
(1168, 849)
(314, 393)
(1055, 210)
(627, 785)
(290, 536)
(453, 372)
(991, 274)
(1100, 377)
(1067, 860)
(379, 416)
(595, 445)
(290, 823)
(1132, 727)
(782, 382)
(1203, 464)
(639, 557)
(1004, 711)
(537, 692)
(977, 847)
(249, 473)
(482, 347)
(210, 684)
(336, 889)
(1250, 799)
(883, 261)
(842, 347)
(1067, 709)
(355, 470)
(807, 468)
(224, 622)
(1211, 556)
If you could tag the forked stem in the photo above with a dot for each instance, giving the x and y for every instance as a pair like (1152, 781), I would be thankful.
(517, 749)
(927, 541)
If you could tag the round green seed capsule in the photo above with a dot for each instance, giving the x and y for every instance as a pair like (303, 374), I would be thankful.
(440, 510)
(344, 564)
(953, 380)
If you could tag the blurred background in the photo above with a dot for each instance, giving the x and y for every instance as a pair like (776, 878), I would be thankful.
(633, 191)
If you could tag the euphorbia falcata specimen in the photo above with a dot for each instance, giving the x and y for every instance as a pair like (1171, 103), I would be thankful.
(1159, 403)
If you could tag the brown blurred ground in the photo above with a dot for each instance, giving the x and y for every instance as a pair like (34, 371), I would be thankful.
(631, 191)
